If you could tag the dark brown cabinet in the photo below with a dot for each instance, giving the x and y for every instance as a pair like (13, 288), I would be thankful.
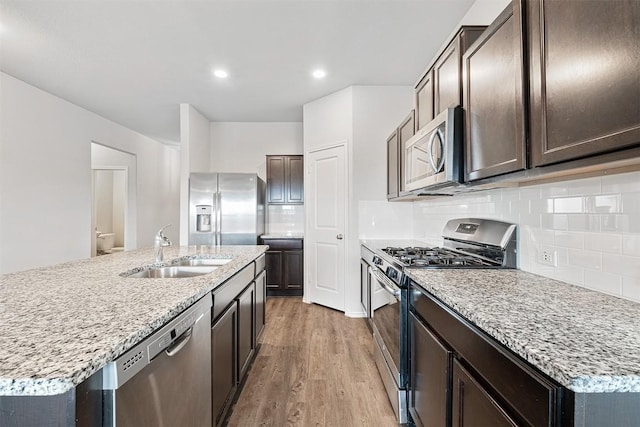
(458, 370)
(441, 87)
(430, 394)
(246, 324)
(224, 372)
(494, 99)
(395, 156)
(473, 406)
(261, 297)
(284, 266)
(285, 180)
(393, 170)
(424, 100)
(584, 78)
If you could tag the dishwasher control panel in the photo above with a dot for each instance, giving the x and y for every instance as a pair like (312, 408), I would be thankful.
(166, 339)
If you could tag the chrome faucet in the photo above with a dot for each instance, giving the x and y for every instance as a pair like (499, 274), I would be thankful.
(160, 242)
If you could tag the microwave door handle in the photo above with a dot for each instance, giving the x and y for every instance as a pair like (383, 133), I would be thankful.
(436, 166)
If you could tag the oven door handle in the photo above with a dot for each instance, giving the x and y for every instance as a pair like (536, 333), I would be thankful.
(384, 283)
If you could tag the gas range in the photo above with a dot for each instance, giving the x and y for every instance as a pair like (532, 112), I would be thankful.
(467, 243)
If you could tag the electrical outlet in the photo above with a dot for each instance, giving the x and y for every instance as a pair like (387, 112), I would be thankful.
(547, 257)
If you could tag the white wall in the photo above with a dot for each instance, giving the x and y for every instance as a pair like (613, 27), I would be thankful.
(361, 116)
(45, 177)
(242, 146)
(194, 154)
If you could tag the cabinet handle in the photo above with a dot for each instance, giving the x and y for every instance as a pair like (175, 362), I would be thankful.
(339, 236)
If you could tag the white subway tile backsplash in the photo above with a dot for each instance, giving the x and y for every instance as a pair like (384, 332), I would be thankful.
(592, 225)
(568, 205)
(605, 282)
(611, 243)
(631, 203)
(555, 221)
(631, 244)
(631, 287)
(621, 264)
(588, 259)
(569, 239)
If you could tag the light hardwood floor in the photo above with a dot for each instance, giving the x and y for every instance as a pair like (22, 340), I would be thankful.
(315, 367)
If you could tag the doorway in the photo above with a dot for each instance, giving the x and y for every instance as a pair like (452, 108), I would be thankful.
(113, 217)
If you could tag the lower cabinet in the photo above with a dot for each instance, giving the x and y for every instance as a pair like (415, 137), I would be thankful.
(237, 318)
(246, 324)
(473, 405)
(430, 394)
(224, 371)
(460, 376)
(284, 267)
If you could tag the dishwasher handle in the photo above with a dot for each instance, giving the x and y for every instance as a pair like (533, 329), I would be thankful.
(174, 348)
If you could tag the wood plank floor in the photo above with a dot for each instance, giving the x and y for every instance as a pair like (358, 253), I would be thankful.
(315, 368)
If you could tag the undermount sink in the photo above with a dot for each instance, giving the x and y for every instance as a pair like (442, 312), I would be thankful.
(208, 262)
(174, 272)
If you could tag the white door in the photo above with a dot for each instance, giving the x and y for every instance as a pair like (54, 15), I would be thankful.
(325, 239)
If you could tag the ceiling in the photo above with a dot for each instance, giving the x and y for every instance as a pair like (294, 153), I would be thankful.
(134, 62)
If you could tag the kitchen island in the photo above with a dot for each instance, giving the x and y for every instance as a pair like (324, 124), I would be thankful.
(64, 323)
(585, 341)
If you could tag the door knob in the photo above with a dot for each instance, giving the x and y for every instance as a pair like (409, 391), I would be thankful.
(339, 237)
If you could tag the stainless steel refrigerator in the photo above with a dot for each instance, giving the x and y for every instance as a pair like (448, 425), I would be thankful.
(226, 208)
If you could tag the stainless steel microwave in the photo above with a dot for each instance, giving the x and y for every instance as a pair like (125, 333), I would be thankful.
(434, 156)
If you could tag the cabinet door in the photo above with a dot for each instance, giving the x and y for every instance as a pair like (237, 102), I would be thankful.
(273, 260)
(246, 324)
(473, 405)
(224, 372)
(405, 131)
(276, 186)
(393, 182)
(585, 83)
(292, 269)
(430, 377)
(493, 99)
(447, 82)
(261, 296)
(424, 101)
(294, 179)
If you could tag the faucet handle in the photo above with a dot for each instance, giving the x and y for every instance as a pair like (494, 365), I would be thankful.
(161, 231)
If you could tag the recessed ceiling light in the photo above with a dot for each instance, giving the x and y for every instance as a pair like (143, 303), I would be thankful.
(319, 74)
(221, 74)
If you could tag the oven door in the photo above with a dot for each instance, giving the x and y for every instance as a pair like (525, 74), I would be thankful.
(386, 315)
(389, 350)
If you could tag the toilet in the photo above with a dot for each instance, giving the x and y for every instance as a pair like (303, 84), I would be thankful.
(104, 242)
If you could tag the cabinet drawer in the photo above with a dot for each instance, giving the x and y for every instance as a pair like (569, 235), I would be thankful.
(229, 290)
(260, 264)
(531, 395)
(280, 244)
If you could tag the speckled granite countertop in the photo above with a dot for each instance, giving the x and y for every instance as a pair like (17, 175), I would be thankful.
(283, 236)
(587, 341)
(61, 324)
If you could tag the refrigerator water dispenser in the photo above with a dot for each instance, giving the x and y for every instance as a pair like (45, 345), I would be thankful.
(203, 218)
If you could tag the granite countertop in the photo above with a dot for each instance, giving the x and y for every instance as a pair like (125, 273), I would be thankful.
(63, 323)
(283, 236)
(587, 341)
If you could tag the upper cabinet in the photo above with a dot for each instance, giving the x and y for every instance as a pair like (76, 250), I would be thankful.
(395, 156)
(441, 87)
(584, 71)
(494, 99)
(285, 180)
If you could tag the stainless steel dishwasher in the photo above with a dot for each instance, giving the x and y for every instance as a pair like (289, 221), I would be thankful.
(166, 379)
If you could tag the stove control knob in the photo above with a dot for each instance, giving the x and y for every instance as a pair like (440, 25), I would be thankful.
(377, 260)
